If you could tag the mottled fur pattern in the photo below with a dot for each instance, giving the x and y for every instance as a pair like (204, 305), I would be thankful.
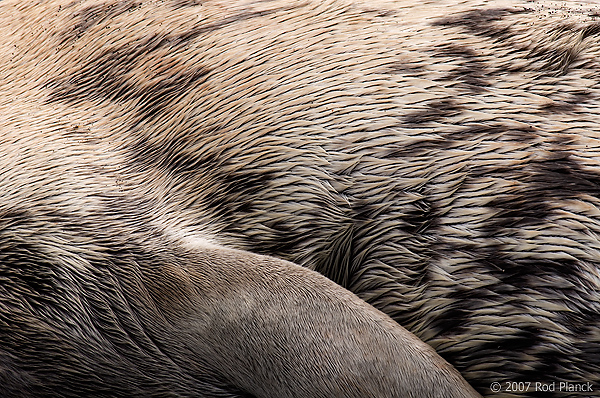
(439, 159)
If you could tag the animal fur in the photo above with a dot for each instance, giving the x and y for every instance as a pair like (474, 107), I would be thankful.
(439, 159)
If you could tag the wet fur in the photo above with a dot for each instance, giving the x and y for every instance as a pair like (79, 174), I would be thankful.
(437, 159)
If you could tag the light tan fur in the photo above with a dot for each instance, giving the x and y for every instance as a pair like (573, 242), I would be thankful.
(169, 166)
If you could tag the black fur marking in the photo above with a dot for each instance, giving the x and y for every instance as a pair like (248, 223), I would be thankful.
(232, 189)
(170, 156)
(436, 111)
(420, 217)
(378, 12)
(185, 3)
(543, 186)
(518, 277)
(482, 22)
(517, 273)
(577, 99)
(562, 178)
(555, 59)
(559, 60)
(365, 209)
(406, 69)
(167, 90)
(587, 30)
(105, 78)
(337, 259)
(463, 303)
(28, 270)
(416, 218)
(504, 133)
(455, 315)
(236, 192)
(472, 73)
(96, 14)
(285, 246)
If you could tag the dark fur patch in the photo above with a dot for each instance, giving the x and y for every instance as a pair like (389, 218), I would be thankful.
(541, 188)
(481, 22)
(105, 78)
(575, 101)
(185, 3)
(504, 133)
(516, 276)
(416, 217)
(436, 111)
(284, 246)
(462, 302)
(558, 178)
(99, 13)
(586, 30)
(170, 156)
(405, 69)
(378, 12)
(231, 189)
(337, 259)
(559, 60)
(556, 59)
(28, 272)
(420, 217)
(236, 192)
(472, 73)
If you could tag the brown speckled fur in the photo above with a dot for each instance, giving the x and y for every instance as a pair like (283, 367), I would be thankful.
(438, 159)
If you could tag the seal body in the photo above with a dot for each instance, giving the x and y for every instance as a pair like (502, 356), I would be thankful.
(437, 159)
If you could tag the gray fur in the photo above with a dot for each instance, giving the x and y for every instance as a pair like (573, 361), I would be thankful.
(165, 164)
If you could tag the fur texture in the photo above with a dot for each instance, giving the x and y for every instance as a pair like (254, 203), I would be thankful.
(439, 159)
